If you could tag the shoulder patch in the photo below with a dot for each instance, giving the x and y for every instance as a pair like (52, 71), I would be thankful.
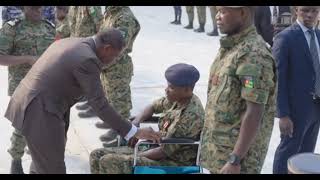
(50, 23)
(14, 22)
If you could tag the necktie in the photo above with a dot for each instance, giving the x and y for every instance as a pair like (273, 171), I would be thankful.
(274, 15)
(316, 63)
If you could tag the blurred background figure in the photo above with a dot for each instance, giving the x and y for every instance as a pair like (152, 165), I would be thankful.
(10, 13)
(281, 18)
(62, 23)
(213, 12)
(177, 15)
(201, 10)
(262, 21)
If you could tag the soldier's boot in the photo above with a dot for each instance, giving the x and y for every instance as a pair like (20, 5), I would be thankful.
(16, 167)
(83, 106)
(87, 114)
(189, 26)
(109, 136)
(200, 29)
(174, 22)
(179, 20)
(115, 143)
(102, 125)
(213, 33)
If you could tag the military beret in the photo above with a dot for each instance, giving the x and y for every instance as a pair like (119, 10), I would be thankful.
(182, 75)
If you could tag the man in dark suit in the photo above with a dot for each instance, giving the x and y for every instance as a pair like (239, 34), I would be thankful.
(67, 70)
(296, 50)
(262, 21)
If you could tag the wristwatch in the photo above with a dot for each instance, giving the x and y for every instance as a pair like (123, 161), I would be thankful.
(234, 159)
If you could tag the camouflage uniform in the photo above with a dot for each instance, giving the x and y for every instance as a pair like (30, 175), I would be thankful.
(19, 38)
(243, 70)
(10, 13)
(63, 28)
(201, 10)
(84, 20)
(116, 77)
(175, 122)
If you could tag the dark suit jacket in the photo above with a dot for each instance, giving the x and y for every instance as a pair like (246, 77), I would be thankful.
(66, 71)
(262, 21)
(296, 76)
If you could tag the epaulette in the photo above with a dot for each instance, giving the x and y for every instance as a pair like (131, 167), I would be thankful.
(50, 23)
(13, 22)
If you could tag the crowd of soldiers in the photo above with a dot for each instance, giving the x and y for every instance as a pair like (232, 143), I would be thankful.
(234, 128)
(201, 10)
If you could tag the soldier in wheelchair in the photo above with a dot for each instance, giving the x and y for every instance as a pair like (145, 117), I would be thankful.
(181, 116)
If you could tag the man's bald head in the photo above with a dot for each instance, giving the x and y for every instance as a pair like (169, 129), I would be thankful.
(111, 37)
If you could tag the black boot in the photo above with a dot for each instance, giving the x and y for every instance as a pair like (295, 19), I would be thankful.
(16, 167)
(200, 29)
(174, 22)
(213, 33)
(83, 106)
(189, 26)
(87, 114)
(102, 125)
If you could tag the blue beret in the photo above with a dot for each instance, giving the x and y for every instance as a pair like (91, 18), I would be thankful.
(182, 75)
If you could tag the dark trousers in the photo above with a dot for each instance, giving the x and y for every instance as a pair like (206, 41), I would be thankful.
(177, 13)
(305, 133)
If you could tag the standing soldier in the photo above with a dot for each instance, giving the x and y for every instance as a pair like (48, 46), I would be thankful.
(10, 13)
(84, 21)
(201, 10)
(213, 12)
(116, 77)
(62, 23)
(23, 39)
(241, 97)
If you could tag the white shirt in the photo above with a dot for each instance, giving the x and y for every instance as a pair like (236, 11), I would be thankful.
(308, 36)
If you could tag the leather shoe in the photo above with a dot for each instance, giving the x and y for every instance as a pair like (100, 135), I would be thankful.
(87, 114)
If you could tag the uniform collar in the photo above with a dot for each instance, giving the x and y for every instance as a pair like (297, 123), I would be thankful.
(230, 41)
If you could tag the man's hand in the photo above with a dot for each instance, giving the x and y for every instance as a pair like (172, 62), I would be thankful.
(286, 126)
(148, 134)
(230, 169)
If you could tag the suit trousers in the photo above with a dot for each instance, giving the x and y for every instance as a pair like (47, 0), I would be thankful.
(305, 133)
(45, 135)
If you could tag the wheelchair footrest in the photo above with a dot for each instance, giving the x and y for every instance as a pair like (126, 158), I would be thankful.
(167, 170)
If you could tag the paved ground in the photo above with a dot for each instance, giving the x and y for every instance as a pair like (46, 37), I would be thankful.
(158, 46)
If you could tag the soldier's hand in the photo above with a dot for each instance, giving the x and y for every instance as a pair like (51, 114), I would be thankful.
(148, 134)
(132, 142)
(286, 126)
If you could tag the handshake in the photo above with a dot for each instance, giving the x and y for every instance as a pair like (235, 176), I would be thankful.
(145, 133)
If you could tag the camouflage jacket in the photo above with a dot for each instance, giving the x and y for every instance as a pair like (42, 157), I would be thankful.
(48, 13)
(63, 28)
(84, 20)
(21, 37)
(244, 70)
(122, 18)
(180, 122)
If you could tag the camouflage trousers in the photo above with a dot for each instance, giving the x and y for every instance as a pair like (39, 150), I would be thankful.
(213, 12)
(201, 10)
(18, 143)
(116, 80)
(119, 160)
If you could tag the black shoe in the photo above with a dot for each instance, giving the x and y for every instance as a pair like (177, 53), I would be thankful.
(102, 125)
(83, 106)
(189, 26)
(200, 29)
(87, 114)
(109, 136)
(213, 33)
(114, 143)
(16, 167)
